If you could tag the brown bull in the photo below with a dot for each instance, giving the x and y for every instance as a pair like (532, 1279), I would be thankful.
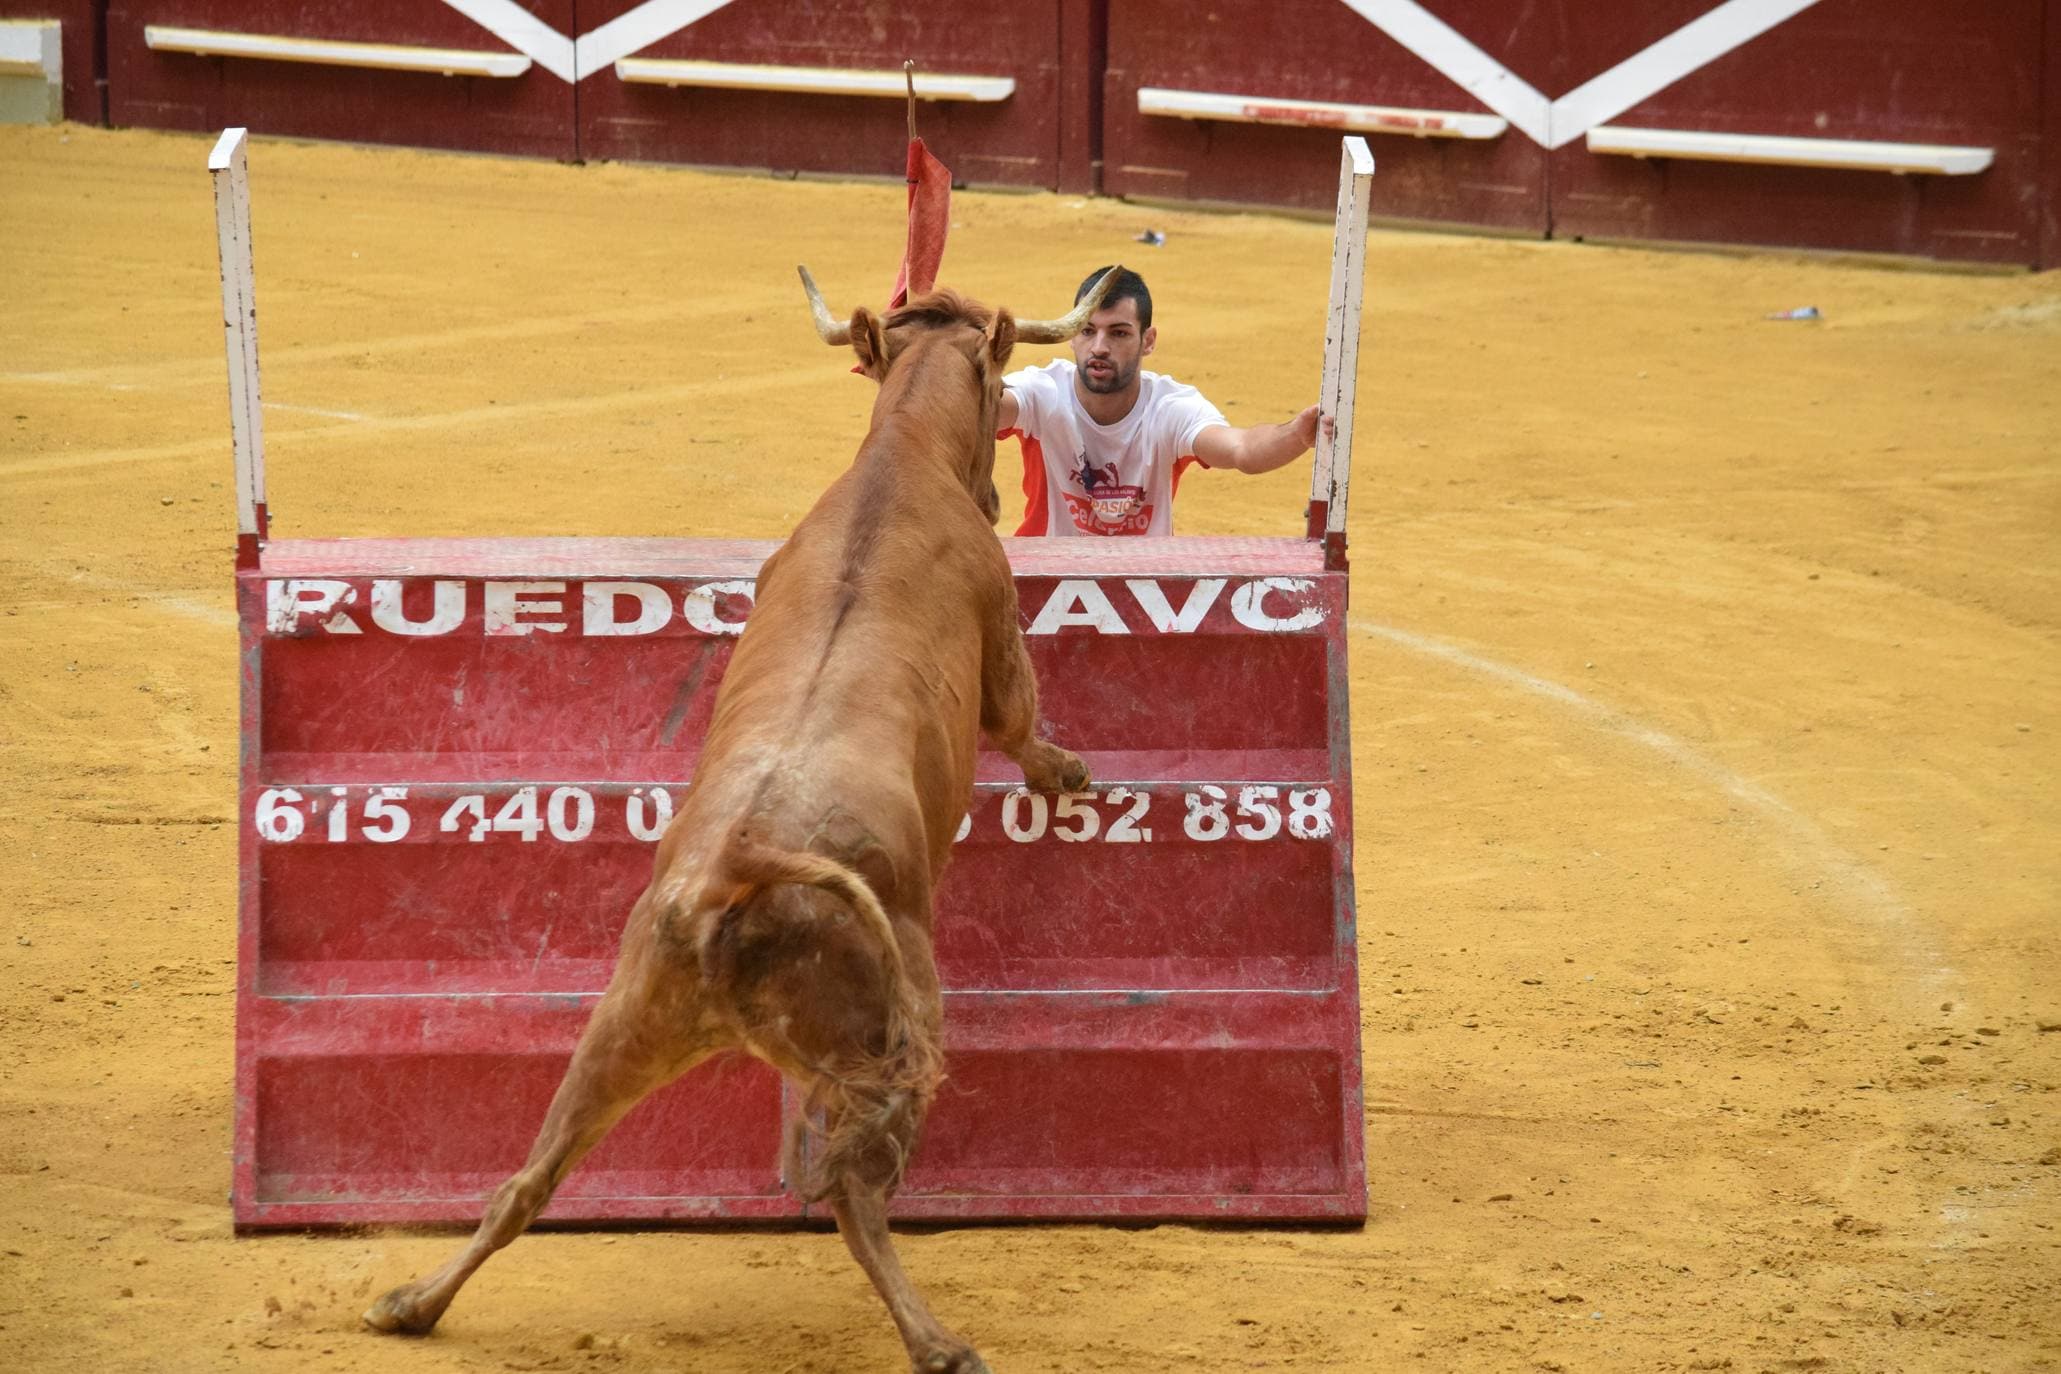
(789, 913)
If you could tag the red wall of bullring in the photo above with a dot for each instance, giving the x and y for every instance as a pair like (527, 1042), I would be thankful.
(1924, 72)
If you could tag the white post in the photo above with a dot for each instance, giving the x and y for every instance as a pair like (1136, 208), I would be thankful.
(1331, 475)
(226, 168)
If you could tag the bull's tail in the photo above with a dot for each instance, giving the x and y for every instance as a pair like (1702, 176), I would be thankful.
(863, 1114)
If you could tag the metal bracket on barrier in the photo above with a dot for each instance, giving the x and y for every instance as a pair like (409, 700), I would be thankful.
(228, 171)
(1331, 473)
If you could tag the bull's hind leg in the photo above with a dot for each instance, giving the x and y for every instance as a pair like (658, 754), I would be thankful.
(861, 1211)
(627, 1050)
(858, 1197)
(834, 1041)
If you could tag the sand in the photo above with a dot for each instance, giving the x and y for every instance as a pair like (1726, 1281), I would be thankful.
(1706, 699)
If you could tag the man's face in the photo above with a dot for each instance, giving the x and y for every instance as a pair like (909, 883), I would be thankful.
(1110, 346)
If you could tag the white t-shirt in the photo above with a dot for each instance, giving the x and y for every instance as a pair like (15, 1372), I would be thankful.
(1080, 477)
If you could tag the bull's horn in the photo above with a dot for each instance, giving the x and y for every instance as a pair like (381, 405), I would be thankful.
(1068, 325)
(835, 334)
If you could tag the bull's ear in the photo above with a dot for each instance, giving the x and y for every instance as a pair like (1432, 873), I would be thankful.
(869, 341)
(1001, 339)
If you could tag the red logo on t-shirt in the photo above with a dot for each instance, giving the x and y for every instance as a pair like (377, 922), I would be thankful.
(1111, 510)
(1109, 507)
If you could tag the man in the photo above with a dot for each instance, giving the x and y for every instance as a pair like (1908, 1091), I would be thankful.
(1104, 444)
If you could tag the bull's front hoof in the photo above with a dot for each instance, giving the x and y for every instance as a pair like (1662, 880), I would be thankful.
(963, 1360)
(1056, 770)
(402, 1313)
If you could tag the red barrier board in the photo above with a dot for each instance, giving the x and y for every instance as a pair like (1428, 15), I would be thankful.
(1008, 141)
(1936, 75)
(1317, 51)
(457, 757)
(336, 96)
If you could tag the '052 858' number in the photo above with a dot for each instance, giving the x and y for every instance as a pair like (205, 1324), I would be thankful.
(1118, 815)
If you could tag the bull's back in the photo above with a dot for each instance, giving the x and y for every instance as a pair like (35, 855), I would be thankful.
(856, 682)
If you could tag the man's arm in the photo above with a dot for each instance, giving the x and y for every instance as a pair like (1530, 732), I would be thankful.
(1005, 418)
(1263, 447)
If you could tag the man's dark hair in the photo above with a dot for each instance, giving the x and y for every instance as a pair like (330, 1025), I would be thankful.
(1129, 286)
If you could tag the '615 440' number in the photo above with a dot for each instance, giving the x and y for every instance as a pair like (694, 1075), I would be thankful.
(566, 814)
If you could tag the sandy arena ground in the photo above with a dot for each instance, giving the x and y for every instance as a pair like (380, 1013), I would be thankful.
(1708, 712)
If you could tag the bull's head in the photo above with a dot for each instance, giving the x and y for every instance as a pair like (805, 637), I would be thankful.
(984, 337)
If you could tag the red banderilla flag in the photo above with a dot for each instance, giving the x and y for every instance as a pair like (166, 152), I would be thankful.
(930, 214)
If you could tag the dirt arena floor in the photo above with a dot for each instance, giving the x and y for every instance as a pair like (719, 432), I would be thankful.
(1707, 690)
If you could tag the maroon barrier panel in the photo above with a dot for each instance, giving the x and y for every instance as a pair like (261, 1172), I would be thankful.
(1321, 52)
(457, 756)
(2050, 142)
(530, 113)
(1012, 140)
(1841, 69)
